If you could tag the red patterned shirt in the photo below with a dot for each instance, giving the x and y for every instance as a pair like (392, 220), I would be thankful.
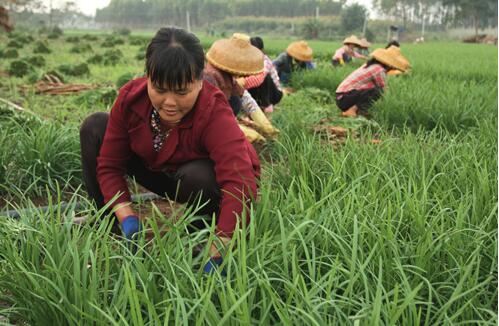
(364, 78)
(338, 54)
(257, 80)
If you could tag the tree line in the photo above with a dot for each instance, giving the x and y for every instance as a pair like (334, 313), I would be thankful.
(476, 13)
(451, 13)
(204, 12)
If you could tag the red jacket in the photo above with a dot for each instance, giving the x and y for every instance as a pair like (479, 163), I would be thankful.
(209, 130)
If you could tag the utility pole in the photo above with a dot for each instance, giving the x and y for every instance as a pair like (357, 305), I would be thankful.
(50, 15)
(364, 27)
(422, 28)
(188, 19)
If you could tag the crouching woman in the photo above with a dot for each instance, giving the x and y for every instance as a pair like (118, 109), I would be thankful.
(365, 85)
(176, 135)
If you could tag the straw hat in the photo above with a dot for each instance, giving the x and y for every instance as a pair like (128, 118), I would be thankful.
(300, 51)
(352, 39)
(242, 36)
(236, 56)
(391, 57)
(364, 43)
(394, 72)
(396, 50)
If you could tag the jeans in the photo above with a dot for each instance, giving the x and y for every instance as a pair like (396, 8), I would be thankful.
(364, 99)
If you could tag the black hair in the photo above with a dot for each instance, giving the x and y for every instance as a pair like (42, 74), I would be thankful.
(394, 43)
(374, 61)
(257, 42)
(174, 58)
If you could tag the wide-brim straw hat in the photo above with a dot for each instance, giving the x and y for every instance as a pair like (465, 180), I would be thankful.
(236, 56)
(391, 57)
(364, 43)
(300, 50)
(396, 50)
(352, 39)
(394, 72)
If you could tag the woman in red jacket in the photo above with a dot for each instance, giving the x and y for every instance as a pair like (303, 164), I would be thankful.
(177, 136)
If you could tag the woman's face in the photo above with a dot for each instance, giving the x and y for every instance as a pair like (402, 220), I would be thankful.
(349, 48)
(173, 105)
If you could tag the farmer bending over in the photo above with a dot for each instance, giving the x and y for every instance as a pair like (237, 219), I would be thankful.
(365, 85)
(364, 47)
(405, 63)
(177, 136)
(266, 92)
(392, 43)
(345, 54)
(298, 56)
(233, 58)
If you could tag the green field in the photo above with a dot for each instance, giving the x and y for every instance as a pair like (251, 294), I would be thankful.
(403, 232)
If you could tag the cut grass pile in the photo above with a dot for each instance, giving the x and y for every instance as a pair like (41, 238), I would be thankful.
(74, 70)
(41, 47)
(19, 68)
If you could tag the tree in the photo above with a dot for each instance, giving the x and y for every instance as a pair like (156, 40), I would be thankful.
(205, 12)
(5, 20)
(479, 11)
(353, 17)
(311, 28)
(12, 5)
(396, 8)
(17, 5)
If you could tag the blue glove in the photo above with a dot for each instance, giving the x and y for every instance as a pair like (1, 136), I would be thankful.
(130, 226)
(213, 264)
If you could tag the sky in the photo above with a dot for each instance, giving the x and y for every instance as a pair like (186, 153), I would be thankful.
(88, 7)
(366, 3)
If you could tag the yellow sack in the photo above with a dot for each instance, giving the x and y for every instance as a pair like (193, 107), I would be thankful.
(263, 123)
(251, 134)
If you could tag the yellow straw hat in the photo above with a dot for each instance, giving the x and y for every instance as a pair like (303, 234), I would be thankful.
(242, 36)
(300, 50)
(396, 51)
(364, 43)
(392, 58)
(394, 72)
(236, 56)
(352, 39)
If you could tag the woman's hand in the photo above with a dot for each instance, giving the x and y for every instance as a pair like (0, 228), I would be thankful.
(214, 252)
(123, 210)
(212, 265)
(130, 222)
(131, 226)
(216, 259)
